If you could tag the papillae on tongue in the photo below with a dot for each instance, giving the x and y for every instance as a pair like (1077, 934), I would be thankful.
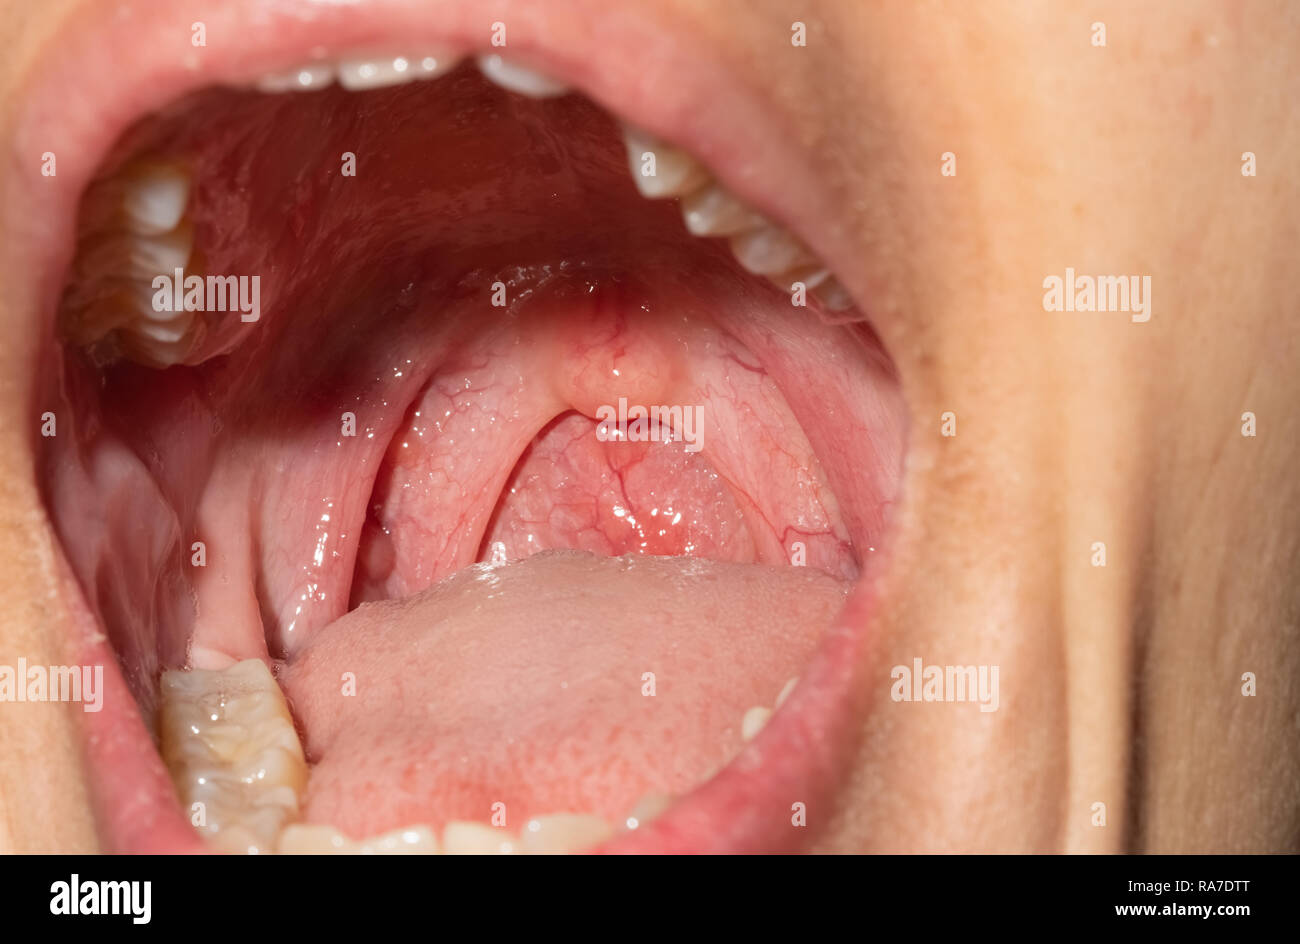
(568, 682)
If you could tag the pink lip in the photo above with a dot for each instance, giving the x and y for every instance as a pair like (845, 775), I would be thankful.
(639, 68)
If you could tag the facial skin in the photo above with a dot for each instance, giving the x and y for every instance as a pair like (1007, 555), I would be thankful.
(1119, 684)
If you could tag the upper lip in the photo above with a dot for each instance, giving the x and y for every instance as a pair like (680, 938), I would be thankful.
(641, 66)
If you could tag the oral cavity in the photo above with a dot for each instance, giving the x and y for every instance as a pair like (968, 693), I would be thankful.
(475, 589)
(135, 227)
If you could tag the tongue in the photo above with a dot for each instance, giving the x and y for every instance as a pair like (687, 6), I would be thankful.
(567, 682)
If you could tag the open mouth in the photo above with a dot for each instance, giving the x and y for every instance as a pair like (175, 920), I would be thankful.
(448, 465)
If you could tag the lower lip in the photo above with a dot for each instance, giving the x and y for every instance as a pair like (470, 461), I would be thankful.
(775, 797)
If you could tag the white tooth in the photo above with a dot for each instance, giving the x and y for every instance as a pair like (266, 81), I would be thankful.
(357, 74)
(154, 201)
(435, 64)
(304, 79)
(712, 211)
(676, 173)
(148, 256)
(753, 722)
(786, 690)
(299, 839)
(834, 296)
(810, 277)
(229, 742)
(413, 840)
(517, 78)
(563, 833)
(468, 838)
(770, 250)
(118, 254)
(153, 353)
(167, 331)
(326, 840)
(649, 808)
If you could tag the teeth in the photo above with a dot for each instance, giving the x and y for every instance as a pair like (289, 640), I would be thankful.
(753, 722)
(306, 78)
(810, 276)
(649, 808)
(563, 833)
(137, 228)
(756, 718)
(154, 200)
(468, 838)
(708, 209)
(676, 173)
(326, 840)
(517, 78)
(313, 840)
(834, 296)
(770, 251)
(357, 74)
(712, 211)
(229, 742)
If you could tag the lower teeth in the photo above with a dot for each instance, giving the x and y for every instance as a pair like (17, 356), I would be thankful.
(230, 744)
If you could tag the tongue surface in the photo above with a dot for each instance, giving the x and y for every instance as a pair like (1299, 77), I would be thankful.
(530, 684)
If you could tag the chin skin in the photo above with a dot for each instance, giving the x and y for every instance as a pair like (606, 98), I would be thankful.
(1119, 684)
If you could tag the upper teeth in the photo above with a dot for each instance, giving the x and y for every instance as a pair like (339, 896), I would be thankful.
(517, 78)
(709, 209)
(374, 72)
(135, 227)
(140, 228)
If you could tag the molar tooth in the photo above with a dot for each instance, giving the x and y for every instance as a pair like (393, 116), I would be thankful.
(154, 353)
(770, 250)
(149, 256)
(676, 172)
(753, 722)
(810, 276)
(468, 838)
(304, 79)
(229, 742)
(517, 78)
(563, 833)
(712, 211)
(834, 296)
(154, 200)
(167, 331)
